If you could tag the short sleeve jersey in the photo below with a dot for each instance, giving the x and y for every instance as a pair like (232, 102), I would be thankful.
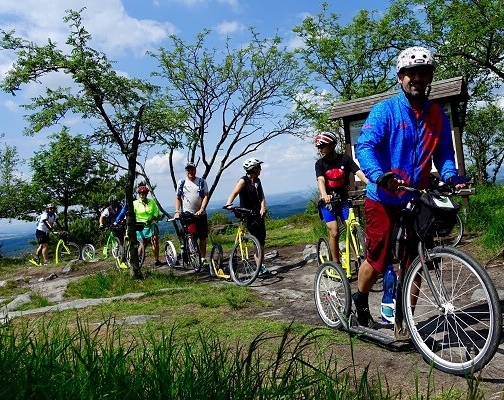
(46, 217)
(191, 199)
(336, 172)
(144, 213)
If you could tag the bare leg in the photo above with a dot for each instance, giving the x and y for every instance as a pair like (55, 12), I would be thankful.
(367, 277)
(202, 246)
(45, 251)
(334, 240)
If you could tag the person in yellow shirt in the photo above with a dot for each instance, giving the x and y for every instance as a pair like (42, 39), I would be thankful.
(146, 211)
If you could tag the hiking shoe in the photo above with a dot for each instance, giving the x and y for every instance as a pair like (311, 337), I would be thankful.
(158, 263)
(364, 317)
(263, 271)
(47, 263)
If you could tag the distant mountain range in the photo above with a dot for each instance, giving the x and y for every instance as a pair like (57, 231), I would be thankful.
(280, 206)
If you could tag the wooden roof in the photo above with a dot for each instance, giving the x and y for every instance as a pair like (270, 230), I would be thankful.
(454, 89)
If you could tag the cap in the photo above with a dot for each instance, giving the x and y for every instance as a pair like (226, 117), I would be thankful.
(190, 165)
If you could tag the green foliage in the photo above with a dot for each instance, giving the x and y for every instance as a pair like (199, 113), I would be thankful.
(486, 216)
(484, 140)
(15, 199)
(85, 230)
(219, 219)
(66, 171)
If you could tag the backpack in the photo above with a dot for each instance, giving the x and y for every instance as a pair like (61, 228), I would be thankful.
(201, 188)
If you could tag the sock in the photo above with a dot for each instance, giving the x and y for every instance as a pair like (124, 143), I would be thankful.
(361, 298)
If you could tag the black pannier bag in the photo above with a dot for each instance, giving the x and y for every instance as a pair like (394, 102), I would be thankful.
(436, 215)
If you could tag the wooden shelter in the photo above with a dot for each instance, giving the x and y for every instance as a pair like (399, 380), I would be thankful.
(449, 93)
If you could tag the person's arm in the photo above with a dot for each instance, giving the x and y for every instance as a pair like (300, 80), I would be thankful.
(154, 212)
(369, 143)
(204, 204)
(47, 224)
(59, 226)
(103, 219)
(444, 155)
(263, 206)
(361, 176)
(178, 204)
(121, 215)
(321, 182)
(322, 189)
(236, 191)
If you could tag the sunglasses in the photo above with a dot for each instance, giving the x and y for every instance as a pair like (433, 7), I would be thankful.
(321, 146)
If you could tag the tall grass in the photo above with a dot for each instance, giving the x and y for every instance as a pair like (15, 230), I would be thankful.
(485, 216)
(62, 359)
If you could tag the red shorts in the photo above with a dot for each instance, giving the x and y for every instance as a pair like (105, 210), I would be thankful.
(380, 220)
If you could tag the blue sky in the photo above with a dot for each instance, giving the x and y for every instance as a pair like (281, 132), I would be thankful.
(126, 29)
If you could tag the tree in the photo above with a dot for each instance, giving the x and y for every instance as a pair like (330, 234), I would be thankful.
(484, 139)
(14, 198)
(67, 170)
(128, 112)
(352, 61)
(236, 100)
(468, 39)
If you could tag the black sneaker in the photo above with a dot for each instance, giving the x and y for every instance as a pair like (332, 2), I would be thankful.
(158, 263)
(363, 314)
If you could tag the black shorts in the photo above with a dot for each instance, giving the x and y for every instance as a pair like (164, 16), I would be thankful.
(257, 227)
(42, 237)
(202, 226)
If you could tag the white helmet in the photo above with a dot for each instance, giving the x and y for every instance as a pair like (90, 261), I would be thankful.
(414, 57)
(251, 163)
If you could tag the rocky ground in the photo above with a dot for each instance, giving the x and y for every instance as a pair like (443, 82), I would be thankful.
(290, 291)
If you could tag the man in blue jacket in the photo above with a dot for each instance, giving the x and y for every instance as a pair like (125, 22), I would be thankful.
(398, 142)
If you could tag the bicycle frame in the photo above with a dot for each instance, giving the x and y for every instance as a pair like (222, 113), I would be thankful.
(61, 243)
(240, 231)
(110, 238)
(188, 244)
(351, 242)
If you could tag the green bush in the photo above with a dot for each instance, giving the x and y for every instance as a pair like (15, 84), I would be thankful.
(218, 219)
(485, 216)
(85, 230)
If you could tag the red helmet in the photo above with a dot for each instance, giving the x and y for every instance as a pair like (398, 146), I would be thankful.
(142, 189)
(325, 138)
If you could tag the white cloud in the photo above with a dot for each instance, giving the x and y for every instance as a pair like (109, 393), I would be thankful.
(228, 27)
(11, 105)
(294, 43)
(235, 6)
(113, 31)
(190, 3)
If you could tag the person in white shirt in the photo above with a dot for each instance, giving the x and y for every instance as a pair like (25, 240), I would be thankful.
(192, 196)
(46, 223)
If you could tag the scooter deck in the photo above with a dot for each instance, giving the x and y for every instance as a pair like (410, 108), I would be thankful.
(370, 333)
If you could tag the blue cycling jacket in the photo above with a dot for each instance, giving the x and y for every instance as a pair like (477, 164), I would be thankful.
(394, 139)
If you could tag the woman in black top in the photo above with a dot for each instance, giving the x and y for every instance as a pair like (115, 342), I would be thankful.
(251, 194)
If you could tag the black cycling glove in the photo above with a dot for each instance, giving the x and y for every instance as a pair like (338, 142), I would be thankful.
(458, 180)
(384, 179)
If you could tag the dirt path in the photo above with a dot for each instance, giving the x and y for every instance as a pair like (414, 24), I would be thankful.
(290, 292)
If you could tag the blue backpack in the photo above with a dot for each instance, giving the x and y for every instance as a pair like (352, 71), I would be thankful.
(201, 188)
